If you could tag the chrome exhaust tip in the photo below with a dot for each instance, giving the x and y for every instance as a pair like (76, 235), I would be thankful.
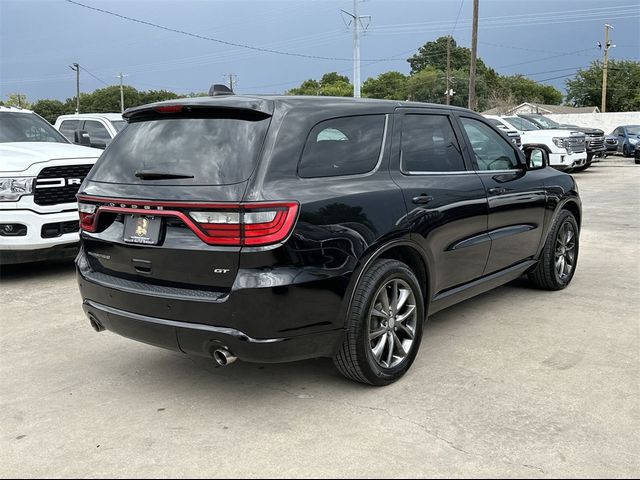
(224, 357)
(95, 324)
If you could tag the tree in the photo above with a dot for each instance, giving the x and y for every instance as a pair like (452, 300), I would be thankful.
(151, 96)
(434, 54)
(623, 86)
(331, 84)
(426, 86)
(524, 89)
(388, 85)
(52, 109)
(17, 100)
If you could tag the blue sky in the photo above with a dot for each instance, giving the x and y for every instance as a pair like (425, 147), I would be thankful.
(542, 39)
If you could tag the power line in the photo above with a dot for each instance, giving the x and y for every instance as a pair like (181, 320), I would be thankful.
(211, 39)
(84, 69)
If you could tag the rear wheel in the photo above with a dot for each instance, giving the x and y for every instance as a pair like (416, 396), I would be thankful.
(384, 325)
(559, 257)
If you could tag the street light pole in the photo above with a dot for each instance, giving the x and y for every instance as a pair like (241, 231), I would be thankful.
(76, 67)
(605, 69)
(474, 54)
(121, 76)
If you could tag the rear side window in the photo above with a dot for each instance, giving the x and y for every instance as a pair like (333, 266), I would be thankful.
(429, 144)
(343, 146)
(67, 127)
(213, 149)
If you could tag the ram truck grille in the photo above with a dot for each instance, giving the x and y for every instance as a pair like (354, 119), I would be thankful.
(55, 185)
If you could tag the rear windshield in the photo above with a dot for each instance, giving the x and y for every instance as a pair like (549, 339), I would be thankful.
(217, 149)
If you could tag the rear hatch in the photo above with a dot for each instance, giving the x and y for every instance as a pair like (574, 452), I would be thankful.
(163, 205)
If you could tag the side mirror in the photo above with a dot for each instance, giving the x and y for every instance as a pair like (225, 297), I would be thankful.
(536, 158)
(99, 144)
(81, 137)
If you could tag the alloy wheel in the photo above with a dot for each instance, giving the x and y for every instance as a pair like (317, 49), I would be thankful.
(565, 255)
(392, 323)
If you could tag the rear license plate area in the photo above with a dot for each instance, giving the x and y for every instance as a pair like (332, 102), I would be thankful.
(142, 229)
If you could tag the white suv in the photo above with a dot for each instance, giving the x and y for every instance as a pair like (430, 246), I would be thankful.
(93, 129)
(40, 173)
(566, 148)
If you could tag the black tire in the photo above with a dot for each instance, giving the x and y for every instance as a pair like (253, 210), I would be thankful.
(546, 274)
(626, 152)
(355, 358)
(637, 160)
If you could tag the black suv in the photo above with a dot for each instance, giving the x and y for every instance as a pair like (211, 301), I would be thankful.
(282, 228)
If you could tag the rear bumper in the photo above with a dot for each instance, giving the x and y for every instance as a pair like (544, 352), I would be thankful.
(266, 325)
(203, 340)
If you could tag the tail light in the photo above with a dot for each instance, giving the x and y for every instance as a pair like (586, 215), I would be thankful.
(87, 216)
(241, 224)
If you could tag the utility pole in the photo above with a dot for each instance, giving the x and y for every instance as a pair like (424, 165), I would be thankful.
(121, 76)
(474, 54)
(233, 80)
(76, 68)
(448, 92)
(605, 69)
(357, 26)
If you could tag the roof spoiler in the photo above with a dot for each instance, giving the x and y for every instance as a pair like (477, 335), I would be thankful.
(218, 89)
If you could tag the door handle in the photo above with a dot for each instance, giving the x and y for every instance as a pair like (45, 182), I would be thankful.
(422, 199)
(497, 190)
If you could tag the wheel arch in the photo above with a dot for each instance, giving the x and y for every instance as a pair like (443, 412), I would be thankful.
(404, 250)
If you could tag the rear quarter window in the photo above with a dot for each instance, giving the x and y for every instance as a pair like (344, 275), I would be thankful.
(343, 146)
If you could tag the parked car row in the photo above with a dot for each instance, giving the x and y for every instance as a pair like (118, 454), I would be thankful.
(566, 148)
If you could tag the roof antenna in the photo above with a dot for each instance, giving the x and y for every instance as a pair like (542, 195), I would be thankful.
(218, 89)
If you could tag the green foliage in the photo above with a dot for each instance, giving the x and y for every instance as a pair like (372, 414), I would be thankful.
(526, 90)
(388, 85)
(331, 84)
(52, 109)
(434, 54)
(17, 100)
(623, 86)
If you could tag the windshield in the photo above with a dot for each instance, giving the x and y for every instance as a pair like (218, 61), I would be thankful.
(633, 130)
(544, 121)
(201, 149)
(522, 124)
(27, 127)
(118, 124)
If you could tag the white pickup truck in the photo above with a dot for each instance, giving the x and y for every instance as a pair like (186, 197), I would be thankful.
(40, 173)
(566, 148)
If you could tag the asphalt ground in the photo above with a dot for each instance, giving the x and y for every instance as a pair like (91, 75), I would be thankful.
(514, 383)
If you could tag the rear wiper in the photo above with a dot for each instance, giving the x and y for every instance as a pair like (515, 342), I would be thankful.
(152, 175)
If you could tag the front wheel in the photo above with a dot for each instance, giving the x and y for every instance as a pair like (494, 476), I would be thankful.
(384, 325)
(559, 256)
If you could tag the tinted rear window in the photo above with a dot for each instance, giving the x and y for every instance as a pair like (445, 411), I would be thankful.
(215, 150)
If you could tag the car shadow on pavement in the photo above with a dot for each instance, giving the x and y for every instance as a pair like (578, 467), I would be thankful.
(40, 270)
